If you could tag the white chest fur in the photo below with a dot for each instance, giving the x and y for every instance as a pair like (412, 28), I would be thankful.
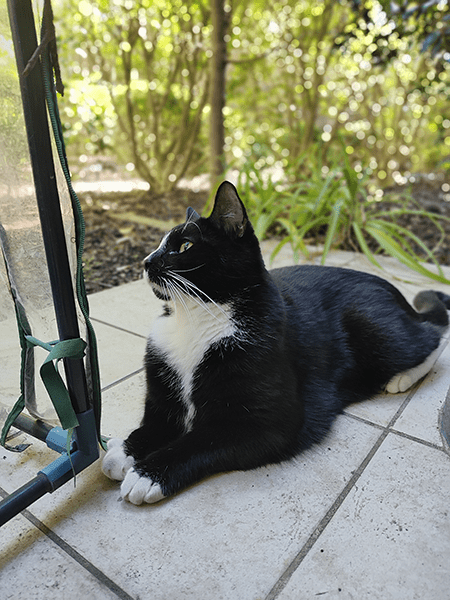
(185, 336)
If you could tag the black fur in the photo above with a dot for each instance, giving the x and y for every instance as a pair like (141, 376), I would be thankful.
(310, 340)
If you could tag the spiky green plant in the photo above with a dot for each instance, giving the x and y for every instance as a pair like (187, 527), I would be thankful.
(338, 204)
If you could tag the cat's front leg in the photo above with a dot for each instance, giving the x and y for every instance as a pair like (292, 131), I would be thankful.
(197, 455)
(156, 432)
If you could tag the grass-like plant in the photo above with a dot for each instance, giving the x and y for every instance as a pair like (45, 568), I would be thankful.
(336, 205)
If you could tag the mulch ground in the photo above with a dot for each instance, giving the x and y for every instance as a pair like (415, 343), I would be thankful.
(119, 236)
(116, 245)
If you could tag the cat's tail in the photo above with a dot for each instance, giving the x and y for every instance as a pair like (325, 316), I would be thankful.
(433, 307)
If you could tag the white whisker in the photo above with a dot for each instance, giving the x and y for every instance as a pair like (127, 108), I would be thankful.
(197, 293)
(181, 299)
(191, 286)
(187, 270)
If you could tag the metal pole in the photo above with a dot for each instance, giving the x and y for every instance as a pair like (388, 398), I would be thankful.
(16, 502)
(35, 112)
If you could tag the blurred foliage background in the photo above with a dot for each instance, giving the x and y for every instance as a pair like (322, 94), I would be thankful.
(304, 78)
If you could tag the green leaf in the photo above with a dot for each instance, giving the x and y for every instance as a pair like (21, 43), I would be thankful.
(263, 223)
(313, 223)
(394, 249)
(279, 246)
(300, 244)
(332, 228)
(351, 179)
(363, 244)
(402, 231)
(288, 226)
(321, 198)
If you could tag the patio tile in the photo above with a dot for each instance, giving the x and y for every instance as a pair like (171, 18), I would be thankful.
(132, 307)
(390, 540)
(421, 417)
(33, 566)
(229, 537)
(120, 353)
(9, 361)
(19, 467)
(380, 409)
(123, 406)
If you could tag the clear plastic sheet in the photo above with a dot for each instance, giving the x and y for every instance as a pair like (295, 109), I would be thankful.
(23, 267)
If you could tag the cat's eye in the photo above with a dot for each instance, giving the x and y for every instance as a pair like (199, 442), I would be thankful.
(185, 246)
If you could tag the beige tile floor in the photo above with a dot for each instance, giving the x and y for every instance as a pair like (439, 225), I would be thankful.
(365, 514)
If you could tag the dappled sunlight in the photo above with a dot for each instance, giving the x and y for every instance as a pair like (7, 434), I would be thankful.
(300, 75)
(111, 186)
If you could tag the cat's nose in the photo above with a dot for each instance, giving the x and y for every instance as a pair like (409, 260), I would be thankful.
(153, 261)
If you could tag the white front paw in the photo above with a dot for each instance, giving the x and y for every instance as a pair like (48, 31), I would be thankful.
(137, 489)
(116, 463)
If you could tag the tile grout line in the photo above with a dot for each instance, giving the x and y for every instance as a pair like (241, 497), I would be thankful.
(307, 546)
(122, 379)
(310, 542)
(364, 420)
(139, 335)
(417, 440)
(74, 554)
(396, 432)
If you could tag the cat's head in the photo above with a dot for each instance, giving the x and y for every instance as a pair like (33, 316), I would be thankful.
(211, 259)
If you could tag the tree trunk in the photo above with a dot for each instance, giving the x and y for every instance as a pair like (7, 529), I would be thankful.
(219, 21)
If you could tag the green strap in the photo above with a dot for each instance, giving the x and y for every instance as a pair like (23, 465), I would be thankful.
(52, 380)
(12, 416)
(80, 231)
(27, 359)
(53, 383)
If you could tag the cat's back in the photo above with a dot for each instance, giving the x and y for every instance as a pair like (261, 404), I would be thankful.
(313, 291)
(296, 281)
(311, 276)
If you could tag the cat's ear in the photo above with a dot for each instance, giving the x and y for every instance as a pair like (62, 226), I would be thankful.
(191, 215)
(229, 212)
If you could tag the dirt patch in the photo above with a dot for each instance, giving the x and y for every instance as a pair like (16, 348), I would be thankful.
(121, 231)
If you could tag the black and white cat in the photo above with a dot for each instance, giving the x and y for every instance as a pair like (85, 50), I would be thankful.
(247, 367)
